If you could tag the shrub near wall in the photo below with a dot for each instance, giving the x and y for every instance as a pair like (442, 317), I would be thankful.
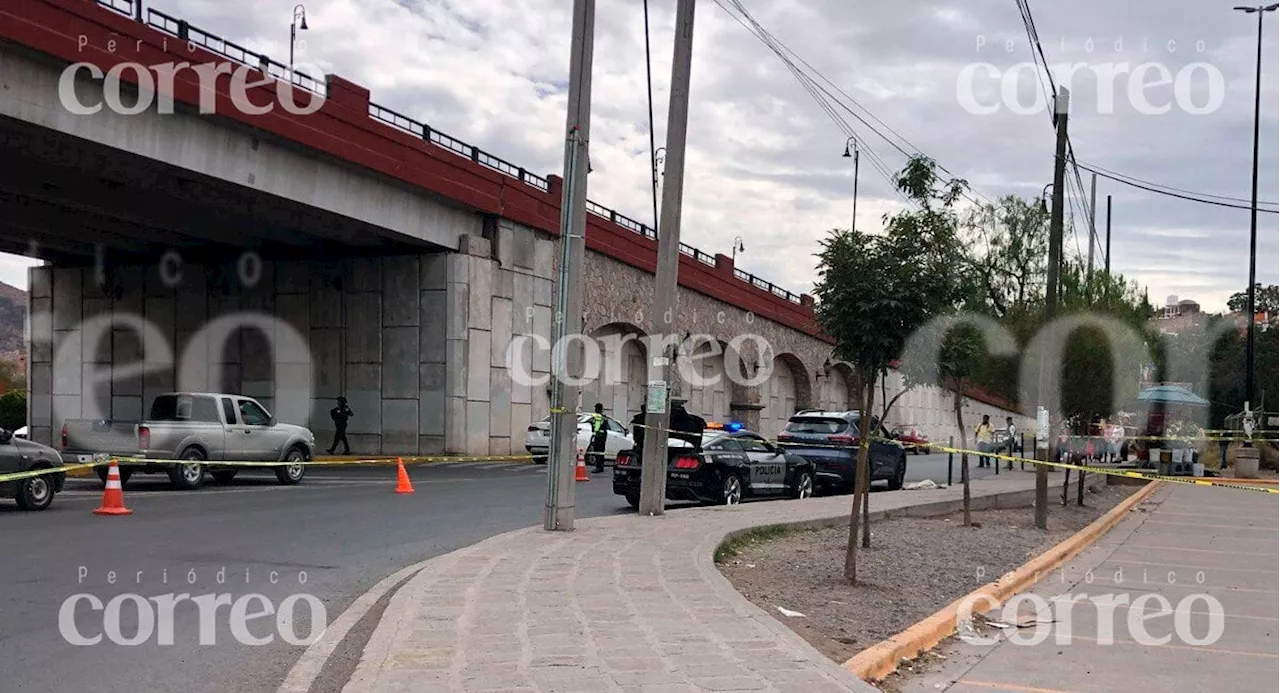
(13, 410)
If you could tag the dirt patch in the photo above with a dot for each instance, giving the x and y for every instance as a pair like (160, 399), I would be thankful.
(914, 567)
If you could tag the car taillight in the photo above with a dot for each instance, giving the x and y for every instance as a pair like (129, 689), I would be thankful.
(686, 463)
(144, 438)
(532, 429)
(64, 436)
(624, 460)
(842, 439)
(785, 436)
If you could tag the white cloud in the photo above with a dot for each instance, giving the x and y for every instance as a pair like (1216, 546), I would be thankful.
(764, 160)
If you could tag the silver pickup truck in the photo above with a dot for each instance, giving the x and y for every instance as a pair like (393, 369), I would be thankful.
(199, 428)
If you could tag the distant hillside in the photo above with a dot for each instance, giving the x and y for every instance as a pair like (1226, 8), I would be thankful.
(13, 318)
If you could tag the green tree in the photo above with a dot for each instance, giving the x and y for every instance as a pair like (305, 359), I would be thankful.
(1265, 298)
(875, 290)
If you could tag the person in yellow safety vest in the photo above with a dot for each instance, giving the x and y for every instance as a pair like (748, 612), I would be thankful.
(595, 449)
(983, 434)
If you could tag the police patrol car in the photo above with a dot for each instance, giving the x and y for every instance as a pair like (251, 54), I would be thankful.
(730, 464)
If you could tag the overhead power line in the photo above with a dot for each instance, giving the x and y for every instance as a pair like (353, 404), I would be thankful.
(786, 54)
(1169, 189)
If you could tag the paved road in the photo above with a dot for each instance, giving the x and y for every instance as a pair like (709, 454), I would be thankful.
(344, 528)
(920, 467)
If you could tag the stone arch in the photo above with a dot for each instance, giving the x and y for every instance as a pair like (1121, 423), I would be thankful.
(620, 382)
(838, 392)
(710, 392)
(787, 391)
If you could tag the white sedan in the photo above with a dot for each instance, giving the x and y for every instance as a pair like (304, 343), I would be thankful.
(538, 438)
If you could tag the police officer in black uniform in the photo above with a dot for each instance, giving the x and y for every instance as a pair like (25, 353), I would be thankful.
(599, 436)
(340, 414)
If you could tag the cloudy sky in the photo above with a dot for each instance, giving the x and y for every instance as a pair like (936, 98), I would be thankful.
(765, 159)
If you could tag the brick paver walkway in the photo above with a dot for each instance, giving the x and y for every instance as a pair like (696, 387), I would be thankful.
(622, 603)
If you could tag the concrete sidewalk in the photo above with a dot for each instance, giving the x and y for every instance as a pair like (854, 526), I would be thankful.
(1184, 541)
(623, 603)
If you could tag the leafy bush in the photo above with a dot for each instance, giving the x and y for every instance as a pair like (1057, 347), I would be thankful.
(13, 410)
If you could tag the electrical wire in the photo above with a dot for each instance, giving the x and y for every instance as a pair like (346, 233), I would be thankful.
(1189, 198)
(653, 152)
(1101, 171)
(784, 53)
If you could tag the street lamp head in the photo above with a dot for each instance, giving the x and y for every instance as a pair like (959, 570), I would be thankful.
(300, 16)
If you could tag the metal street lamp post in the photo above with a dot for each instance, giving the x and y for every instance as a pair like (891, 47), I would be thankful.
(1260, 10)
(737, 248)
(852, 141)
(299, 23)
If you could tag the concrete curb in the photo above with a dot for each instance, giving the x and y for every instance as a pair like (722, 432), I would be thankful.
(882, 659)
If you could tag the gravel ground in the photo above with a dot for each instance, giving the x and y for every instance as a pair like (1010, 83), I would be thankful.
(914, 567)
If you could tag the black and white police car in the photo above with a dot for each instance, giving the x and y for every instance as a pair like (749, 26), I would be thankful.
(730, 464)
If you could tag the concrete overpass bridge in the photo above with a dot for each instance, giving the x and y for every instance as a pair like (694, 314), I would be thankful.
(383, 260)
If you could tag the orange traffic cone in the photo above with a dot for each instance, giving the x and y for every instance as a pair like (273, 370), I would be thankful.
(113, 496)
(581, 474)
(402, 478)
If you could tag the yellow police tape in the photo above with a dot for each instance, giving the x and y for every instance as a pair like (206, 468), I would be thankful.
(1127, 473)
(127, 461)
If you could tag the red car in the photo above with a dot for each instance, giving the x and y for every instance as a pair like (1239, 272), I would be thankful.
(912, 438)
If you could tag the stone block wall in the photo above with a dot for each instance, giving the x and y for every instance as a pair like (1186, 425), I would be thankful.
(417, 343)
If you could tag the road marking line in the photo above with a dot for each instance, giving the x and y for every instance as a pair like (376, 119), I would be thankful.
(1191, 648)
(1193, 567)
(1007, 686)
(1196, 524)
(1228, 517)
(1178, 548)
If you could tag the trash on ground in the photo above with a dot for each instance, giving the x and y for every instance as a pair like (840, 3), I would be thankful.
(926, 485)
(788, 612)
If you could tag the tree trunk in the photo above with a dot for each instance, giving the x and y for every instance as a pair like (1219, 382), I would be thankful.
(864, 469)
(859, 489)
(964, 456)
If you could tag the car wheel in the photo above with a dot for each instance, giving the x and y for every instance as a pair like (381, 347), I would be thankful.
(803, 487)
(224, 476)
(899, 476)
(189, 474)
(731, 490)
(293, 472)
(35, 493)
(633, 500)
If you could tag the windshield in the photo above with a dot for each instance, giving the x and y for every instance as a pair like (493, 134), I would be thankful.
(816, 425)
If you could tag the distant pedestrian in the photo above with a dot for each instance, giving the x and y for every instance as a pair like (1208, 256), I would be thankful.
(637, 430)
(599, 436)
(1011, 435)
(340, 415)
(982, 434)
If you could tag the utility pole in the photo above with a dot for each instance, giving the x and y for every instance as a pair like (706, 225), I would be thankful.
(1061, 107)
(567, 354)
(1093, 231)
(1107, 258)
(653, 470)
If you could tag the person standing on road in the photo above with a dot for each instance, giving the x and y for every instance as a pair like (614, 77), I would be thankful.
(982, 434)
(637, 430)
(599, 434)
(1011, 433)
(340, 414)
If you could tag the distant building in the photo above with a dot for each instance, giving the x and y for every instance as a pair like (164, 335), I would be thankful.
(1177, 316)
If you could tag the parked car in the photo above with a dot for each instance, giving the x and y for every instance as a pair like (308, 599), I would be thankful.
(19, 455)
(198, 428)
(537, 439)
(912, 439)
(830, 441)
(726, 467)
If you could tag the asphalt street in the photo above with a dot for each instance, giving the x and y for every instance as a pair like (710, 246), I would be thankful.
(341, 530)
(333, 537)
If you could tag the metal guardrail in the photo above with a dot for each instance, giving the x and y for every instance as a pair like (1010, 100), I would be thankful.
(124, 7)
(232, 51)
